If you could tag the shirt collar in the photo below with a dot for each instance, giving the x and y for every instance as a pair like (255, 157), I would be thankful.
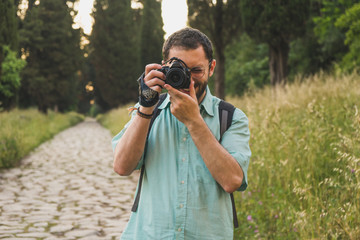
(166, 102)
(206, 104)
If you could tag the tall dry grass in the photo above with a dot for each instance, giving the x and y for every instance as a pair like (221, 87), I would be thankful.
(304, 178)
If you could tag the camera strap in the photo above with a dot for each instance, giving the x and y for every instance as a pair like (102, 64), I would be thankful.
(156, 113)
(177, 59)
(226, 112)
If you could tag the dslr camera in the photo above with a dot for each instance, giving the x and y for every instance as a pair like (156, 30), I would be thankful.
(177, 74)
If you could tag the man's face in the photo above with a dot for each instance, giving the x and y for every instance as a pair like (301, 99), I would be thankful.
(196, 60)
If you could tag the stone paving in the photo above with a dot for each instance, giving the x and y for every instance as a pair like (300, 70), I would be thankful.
(67, 189)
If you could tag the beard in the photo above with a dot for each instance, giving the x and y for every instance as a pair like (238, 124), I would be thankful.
(201, 88)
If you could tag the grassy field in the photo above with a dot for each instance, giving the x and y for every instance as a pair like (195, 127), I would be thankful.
(304, 175)
(115, 119)
(23, 130)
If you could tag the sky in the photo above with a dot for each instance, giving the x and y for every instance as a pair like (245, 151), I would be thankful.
(174, 13)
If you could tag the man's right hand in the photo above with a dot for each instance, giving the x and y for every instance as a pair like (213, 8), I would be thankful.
(154, 79)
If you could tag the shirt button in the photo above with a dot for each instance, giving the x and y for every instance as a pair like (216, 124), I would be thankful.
(181, 205)
(183, 159)
(184, 139)
(182, 182)
(179, 229)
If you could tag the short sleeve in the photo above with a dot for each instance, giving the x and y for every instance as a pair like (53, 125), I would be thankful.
(236, 141)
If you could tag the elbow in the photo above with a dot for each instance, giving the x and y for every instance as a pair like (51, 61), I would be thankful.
(233, 185)
(120, 169)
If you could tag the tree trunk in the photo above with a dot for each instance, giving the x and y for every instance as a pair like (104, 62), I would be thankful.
(278, 58)
(220, 74)
(219, 49)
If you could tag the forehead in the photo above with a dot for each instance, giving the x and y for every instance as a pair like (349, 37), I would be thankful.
(192, 57)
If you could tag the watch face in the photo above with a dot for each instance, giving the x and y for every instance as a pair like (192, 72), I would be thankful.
(149, 94)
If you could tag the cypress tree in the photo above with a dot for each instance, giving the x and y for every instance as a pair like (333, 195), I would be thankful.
(8, 24)
(114, 53)
(152, 33)
(53, 53)
(8, 37)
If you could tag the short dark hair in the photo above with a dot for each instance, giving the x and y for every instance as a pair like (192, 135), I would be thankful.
(188, 38)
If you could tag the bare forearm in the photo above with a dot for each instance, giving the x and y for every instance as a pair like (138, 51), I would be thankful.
(131, 146)
(222, 166)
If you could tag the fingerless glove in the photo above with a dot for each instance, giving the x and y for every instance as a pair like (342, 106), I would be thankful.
(147, 96)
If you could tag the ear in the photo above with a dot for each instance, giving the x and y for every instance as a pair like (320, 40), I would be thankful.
(212, 67)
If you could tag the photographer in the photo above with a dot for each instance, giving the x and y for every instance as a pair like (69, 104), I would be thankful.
(189, 173)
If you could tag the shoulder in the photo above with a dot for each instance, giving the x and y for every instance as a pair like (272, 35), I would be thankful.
(237, 112)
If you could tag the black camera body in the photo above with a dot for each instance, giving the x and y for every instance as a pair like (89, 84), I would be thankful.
(177, 75)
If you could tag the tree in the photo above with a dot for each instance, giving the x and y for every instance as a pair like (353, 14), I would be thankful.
(246, 66)
(8, 37)
(275, 23)
(8, 25)
(10, 78)
(220, 22)
(53, 55)
(152, 33)
(331, 37)
(114, 53)
(350, 21)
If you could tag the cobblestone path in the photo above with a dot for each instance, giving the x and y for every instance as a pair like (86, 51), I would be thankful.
(66, 189)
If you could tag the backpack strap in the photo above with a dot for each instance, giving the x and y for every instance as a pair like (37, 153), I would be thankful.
(156, 113)
(226, 112)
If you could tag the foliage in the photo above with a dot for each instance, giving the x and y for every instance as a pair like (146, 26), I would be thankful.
(151, 33)
(21, 131)
(8, 40)
(114, 53)
(306, 57)
(10, 77)
(53, 55)
(246, 66)
(350, 21)
(8, 25)
(219, 21)
(329, 36)
(275, 23)
(304, 175)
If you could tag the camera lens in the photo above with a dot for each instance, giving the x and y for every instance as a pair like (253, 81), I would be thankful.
(175, 77)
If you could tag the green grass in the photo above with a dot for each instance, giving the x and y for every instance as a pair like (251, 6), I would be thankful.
(304, 174)
(23, 130)
(115, 119)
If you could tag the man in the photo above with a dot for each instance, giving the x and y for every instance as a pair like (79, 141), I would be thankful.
(188, 174)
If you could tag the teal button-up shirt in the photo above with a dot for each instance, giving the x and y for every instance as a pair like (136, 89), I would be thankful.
(179, 197)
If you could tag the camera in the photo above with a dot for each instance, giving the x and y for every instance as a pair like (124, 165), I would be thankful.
(177, 75)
